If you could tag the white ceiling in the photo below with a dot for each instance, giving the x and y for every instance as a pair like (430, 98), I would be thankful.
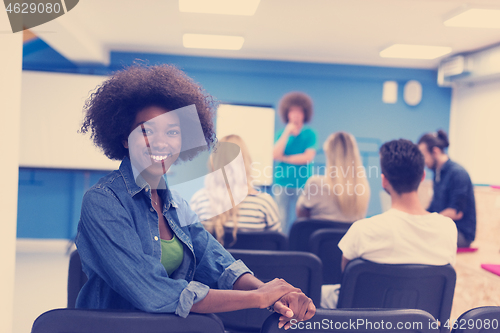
(331, 31)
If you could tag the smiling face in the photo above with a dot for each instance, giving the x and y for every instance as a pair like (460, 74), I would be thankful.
(154, 142)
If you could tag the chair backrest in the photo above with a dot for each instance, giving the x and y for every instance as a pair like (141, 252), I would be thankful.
(76, 278)
(256, 240)
(359, 321)
(303, 229)
(485, 319)
(367, 284)
(301, 269)
(324, 244)
(107, 321)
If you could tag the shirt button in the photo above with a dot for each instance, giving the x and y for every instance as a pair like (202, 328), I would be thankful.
(156, 238)
(147, 189)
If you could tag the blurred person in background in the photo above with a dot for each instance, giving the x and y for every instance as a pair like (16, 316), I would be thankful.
(453, 190)
(257, 211)
(406, 233)
(342, 194)
(293, 152)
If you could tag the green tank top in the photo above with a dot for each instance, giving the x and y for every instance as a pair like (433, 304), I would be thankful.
(172, 253)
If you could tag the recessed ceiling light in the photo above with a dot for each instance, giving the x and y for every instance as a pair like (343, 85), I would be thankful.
(199, 41)
(476, 18)
(225, 7)
(414, 51)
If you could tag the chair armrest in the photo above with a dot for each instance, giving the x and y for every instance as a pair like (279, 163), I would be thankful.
(358, 321)
(117, 321)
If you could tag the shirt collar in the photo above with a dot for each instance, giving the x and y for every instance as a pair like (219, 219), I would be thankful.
(135, 183)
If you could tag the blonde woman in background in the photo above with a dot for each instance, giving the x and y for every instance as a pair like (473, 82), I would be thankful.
(343, 193)
(258, 211)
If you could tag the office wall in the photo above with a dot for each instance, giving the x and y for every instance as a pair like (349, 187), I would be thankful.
(347, 98)
(474, 130)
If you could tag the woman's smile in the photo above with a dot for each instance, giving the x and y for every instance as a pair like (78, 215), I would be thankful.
(154, 142)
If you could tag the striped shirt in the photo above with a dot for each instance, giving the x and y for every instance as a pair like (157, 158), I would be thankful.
(256, 212)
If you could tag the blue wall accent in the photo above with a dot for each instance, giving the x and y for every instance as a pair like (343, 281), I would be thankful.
(50, 200)
(346, 97)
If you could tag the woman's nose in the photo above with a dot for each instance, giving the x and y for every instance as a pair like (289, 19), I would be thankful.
(159, 141)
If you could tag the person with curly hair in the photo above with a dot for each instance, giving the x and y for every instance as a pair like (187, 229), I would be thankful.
(141, 245)
(294, 150)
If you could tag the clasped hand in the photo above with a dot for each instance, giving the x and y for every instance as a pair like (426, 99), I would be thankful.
(287, 300)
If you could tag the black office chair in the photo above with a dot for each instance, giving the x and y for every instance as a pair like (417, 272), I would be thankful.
(71, 320)
(324, 244)
(300, 269)
(303, 229)
(256, 240)
(359, 321)
(76, 278)
(367, 284)
(484, 319)
(105, 321)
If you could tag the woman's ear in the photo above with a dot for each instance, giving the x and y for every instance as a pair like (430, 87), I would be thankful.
(125, 143)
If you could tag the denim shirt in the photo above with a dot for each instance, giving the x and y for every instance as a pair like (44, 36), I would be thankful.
(118, 240)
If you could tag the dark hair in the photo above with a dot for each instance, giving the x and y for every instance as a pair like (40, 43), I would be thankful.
(110, 111)
(295, 98)
(438, 139)
(402, 164)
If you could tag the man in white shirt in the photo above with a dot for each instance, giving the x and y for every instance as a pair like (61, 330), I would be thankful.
(405, 234)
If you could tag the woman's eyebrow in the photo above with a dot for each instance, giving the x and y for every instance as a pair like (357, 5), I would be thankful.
(149, 122)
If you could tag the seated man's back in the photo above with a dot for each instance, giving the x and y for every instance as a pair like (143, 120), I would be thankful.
(405, 234)
(396, 237)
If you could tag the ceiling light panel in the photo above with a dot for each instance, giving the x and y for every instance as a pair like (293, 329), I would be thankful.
(476, 18)
(219, 42)
(407, 51)
(224, 7)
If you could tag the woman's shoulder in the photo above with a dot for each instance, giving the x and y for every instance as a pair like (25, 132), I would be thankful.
(111, 183)
(262, 195)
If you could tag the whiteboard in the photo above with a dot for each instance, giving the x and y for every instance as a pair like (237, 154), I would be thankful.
(51, 114)
(255, 125)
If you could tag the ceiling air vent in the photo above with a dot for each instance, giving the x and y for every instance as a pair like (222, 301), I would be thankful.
(453, 68)
(473, 67)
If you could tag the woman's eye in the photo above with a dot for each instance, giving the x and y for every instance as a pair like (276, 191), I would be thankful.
(146, 131)
(174, 132)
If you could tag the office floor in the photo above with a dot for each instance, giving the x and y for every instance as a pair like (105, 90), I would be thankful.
(41, 279)
(476, 286)
(41, 269)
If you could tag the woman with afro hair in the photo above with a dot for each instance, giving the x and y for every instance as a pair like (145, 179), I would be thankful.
(141, 246)
(294, 151)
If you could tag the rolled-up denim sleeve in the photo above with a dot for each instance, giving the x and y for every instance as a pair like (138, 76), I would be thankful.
(193, 293)
(231, 274)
